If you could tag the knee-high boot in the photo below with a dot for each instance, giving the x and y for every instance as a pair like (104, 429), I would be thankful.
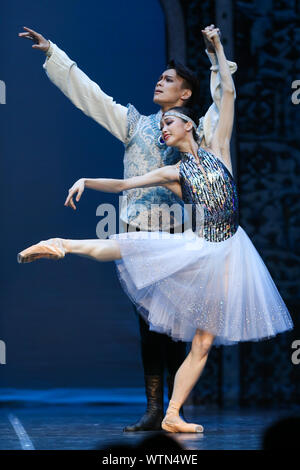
(151, 420)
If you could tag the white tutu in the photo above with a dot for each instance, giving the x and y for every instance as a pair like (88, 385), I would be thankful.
(183, 282)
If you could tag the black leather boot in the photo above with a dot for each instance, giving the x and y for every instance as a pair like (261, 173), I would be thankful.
(151, 420)
(170, 383)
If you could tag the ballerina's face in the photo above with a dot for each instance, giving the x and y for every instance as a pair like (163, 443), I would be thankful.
(174, 130)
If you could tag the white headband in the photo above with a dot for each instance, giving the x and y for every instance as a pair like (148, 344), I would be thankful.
(180, 115)
(199, 129)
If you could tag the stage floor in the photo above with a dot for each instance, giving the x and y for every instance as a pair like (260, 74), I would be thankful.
(72, 427)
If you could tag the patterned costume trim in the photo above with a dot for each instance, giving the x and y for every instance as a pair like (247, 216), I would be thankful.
(133, 117)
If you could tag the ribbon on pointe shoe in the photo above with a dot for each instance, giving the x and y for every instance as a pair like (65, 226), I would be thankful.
(173, 406)
(55, 245)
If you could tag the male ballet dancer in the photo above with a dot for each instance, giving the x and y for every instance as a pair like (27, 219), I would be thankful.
(144, 151)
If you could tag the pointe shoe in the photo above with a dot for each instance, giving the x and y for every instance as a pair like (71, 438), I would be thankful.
(52, 248)
(173, 423)
(178, 425)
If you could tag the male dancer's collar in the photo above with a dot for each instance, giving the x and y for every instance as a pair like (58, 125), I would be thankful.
(158, 117)
(160, 140)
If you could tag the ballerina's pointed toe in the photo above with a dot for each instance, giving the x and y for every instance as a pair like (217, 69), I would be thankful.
(51, 249)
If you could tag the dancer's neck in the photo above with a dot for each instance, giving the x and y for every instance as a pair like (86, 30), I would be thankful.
(189, 146)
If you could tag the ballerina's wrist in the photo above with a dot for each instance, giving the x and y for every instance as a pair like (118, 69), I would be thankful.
(219, 48)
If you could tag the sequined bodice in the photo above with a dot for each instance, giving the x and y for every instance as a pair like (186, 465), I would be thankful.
(208, 185)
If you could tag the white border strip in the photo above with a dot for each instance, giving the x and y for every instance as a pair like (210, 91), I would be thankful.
(24, 439)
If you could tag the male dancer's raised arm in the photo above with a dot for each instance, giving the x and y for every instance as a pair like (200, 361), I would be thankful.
(79, 88)
(88, 96)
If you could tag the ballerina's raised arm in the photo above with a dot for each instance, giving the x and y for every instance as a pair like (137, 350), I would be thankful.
(220, 143)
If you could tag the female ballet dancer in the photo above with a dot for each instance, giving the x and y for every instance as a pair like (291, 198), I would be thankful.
(208, 285)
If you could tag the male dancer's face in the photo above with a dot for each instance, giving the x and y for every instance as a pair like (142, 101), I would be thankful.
(170, 90)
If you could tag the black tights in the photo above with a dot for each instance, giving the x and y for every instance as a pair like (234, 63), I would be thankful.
(159, 350)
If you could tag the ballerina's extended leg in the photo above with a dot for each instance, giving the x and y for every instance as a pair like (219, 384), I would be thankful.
(57, 248)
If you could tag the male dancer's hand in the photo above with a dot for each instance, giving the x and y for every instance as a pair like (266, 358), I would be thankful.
(41, 43)
(211, 36)
(78, 187)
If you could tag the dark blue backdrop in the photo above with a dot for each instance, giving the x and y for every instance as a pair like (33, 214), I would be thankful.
(68, 323)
